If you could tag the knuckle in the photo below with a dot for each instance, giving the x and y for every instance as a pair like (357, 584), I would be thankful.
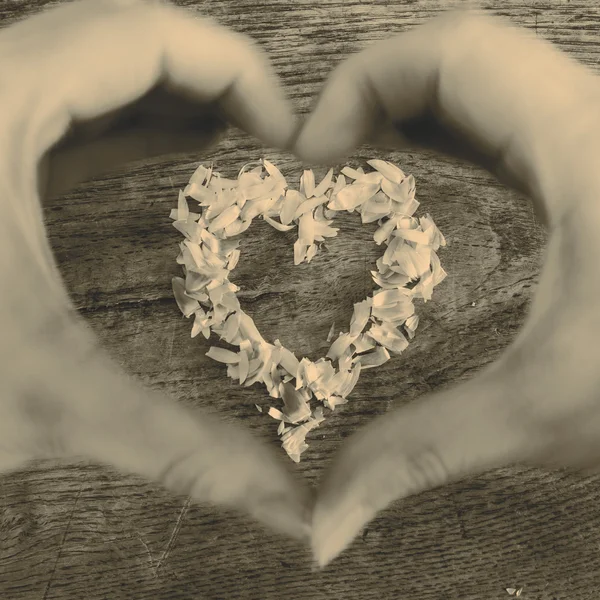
(425, 470)
(400, 476)
(64, 332)
(176, 475)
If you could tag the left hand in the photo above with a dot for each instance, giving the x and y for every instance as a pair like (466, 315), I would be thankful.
(114, 81)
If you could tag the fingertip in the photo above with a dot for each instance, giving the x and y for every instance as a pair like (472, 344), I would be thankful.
(257, 104)
(284, 515)
(215, 64)
(344, 116)
(333, 530)
(322, 142)
(293, 139)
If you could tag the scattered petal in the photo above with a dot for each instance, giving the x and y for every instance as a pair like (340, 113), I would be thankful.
(331, 332)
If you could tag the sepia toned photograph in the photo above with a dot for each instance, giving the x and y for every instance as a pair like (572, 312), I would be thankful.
(299, 299)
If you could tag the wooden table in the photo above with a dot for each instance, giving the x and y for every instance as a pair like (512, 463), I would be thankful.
(75, 531)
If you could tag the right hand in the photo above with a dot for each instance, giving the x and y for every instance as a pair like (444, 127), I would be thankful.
(475, 87)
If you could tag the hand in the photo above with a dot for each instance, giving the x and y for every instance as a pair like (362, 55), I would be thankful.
(118, 81)
(475, 87)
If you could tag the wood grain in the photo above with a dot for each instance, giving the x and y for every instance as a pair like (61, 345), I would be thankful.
(84, 531)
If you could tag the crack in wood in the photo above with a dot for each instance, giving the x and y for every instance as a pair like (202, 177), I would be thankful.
(62, 543)
(174, 535)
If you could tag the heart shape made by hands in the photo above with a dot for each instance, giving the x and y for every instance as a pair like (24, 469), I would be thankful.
(408, 269)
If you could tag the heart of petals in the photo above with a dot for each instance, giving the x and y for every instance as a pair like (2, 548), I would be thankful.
(381, 324)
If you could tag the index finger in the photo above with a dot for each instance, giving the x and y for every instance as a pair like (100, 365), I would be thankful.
(94, 57)
(522, 108)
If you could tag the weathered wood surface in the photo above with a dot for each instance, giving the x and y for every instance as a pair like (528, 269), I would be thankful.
(77, 531)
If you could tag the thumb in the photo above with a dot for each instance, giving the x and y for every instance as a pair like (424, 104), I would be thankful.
(77, 401)
(464, 430)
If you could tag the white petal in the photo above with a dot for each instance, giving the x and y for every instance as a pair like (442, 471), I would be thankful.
(360, 316)
(186, 304)
(311, 252)
(201, 194)
(273, 171)
(237, 227)
(248, 328)
(276, 225)
(325, 184)
(292, 200)
(276, 414)
(405, 208)
(309, 205)
(200, 175)
(438, 272)
(413, 235)
(340, 345)
(373, 359)
(411, 325)
(397, 191)
(299, 251)
(351, 381)
(288, 361)
(234, 258)
(198, 325)
(363, 343)
(387, 169)
(227, 217)
(340, 184)
(182, 207)
(223, 355)
(352, 173)
(331, 332)
(221, 183)
(307, 183)
(384, 232)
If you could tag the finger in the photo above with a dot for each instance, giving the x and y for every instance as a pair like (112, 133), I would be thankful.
(465, 84)
(78, 402)
(465, 430)
(77, 160)
(105, 55)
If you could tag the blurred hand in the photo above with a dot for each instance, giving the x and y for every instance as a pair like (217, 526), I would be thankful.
(118, 81)
(478, 88)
